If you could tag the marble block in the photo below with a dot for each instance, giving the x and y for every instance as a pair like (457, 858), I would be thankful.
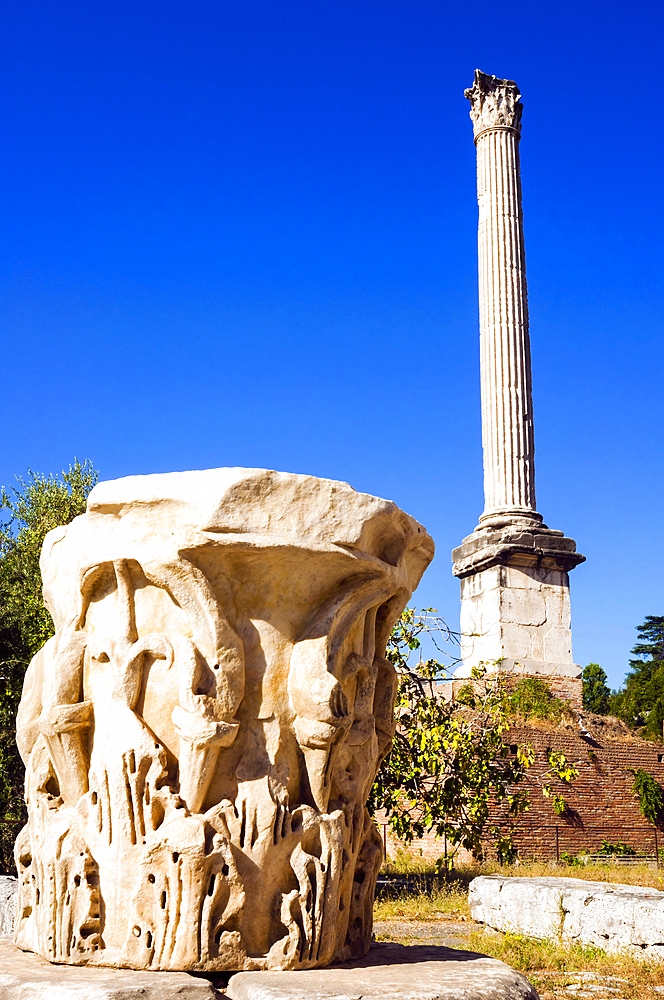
(606, 915)
(392, 972)
(25, 976)
(201, 733)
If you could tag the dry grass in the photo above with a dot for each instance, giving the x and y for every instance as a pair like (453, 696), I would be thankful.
(405, 863)
(557, 970)
(599, 871)
(439, 904)
(608, 871)
(553, 968)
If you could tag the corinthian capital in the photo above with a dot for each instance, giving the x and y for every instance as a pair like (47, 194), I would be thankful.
(494, 103)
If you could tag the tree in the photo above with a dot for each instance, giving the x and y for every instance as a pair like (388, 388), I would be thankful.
(596, 694)
(641, 701)
(449, 767)
(29, 511)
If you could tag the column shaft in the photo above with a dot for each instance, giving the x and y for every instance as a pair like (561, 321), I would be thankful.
(507, 408)
(507, 416)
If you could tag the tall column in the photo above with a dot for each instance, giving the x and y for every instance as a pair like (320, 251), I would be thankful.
(507, 409)
(513, 570)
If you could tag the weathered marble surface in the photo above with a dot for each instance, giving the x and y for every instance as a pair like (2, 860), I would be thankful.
(518, 613)
(507, 404)
(612, 917)
(406, 972)
(25, 976)
(392, 971)
(201, 733)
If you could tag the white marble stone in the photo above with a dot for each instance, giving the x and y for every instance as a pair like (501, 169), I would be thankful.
(519, 615)
(8, 896)
(201, 733)
(25, 976)
(393, 972)
(613, 917)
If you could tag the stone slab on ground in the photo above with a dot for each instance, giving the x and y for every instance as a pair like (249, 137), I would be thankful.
(392, 972)
(611, 916)
(25, 976)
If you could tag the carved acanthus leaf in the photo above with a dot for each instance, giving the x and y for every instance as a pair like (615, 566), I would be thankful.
(494, 103)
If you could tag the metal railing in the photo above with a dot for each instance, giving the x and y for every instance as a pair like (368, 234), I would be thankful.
(624, 831)
(566, 839)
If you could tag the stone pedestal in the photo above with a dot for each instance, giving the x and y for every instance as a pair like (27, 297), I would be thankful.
(513, 570)
(515, 604)
(420, 972)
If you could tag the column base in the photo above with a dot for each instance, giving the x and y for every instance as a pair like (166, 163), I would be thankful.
(502, 517)
(515, 605)
(516, 540)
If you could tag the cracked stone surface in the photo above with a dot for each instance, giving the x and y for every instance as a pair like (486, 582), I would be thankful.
(26, 976)
(407, 972)
(611, 916)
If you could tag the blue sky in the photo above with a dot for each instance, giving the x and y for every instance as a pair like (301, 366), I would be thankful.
(245, 234)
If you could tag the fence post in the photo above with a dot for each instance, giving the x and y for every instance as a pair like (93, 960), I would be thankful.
(557, 847)
(656, 847)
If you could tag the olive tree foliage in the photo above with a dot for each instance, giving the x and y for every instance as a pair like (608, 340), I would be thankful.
(27, 512)
(449, 771)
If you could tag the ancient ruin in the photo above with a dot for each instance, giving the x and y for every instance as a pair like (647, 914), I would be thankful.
(202, 732)
(513, 570)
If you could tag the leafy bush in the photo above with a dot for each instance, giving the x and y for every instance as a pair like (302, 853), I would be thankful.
(531, 698)
(571, 860)
(449, 771)
(621, 849)
(651, 799)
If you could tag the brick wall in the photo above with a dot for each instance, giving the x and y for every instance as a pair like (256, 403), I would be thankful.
(566, 688)
(600, 802)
